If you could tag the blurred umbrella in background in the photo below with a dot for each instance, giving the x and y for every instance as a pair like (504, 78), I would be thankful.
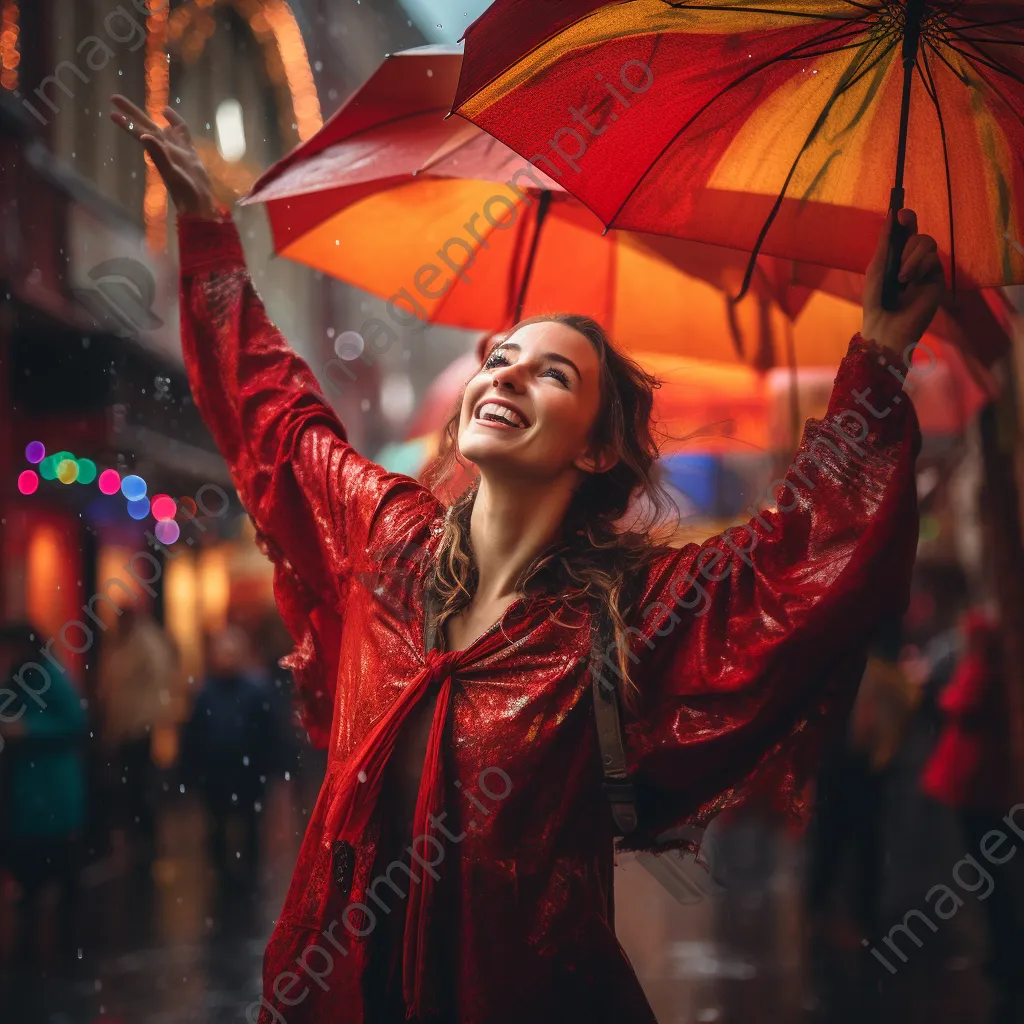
(408, 457)
(394, 199)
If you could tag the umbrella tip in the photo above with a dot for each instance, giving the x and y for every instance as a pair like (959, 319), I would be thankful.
(449, 114)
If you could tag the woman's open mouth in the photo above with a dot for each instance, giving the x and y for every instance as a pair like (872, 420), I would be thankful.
(500, 415)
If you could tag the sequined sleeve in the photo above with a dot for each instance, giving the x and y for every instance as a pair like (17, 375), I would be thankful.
(314, 500)
(750, 647)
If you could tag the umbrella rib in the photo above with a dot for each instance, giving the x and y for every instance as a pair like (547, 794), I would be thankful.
(731, 85)
(933, 93)
(997, 42)
(986, 59)
(823, 53)
(841, 88)
(975, 23)
(767, 10)
(995, 88)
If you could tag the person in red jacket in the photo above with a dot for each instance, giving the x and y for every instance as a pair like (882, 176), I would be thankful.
(971, 770)
(458, 864)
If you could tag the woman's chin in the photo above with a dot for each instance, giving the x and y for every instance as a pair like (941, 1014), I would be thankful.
(492, 457)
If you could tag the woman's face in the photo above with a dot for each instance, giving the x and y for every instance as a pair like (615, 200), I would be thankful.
(531, 407)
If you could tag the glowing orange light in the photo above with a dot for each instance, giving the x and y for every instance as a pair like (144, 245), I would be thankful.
(296, 67)
(157, 95)
(10, 58)
(274, 25)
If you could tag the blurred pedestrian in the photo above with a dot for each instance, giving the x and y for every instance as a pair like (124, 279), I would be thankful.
(44, 788)
(138, 691)
(851, 790)
(971, 770)
(227, 752)
(939, 597)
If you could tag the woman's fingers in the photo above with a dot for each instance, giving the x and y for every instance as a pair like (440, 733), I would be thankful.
(136, 115)
(176, 120)
(162, 161)
(917, 252)
(908, 218)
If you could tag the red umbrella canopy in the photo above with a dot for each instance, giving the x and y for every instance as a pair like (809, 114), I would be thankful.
(771, 123)
(442, 219)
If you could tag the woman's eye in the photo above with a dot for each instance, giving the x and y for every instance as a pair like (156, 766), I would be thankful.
(558, 375)
(496, 360)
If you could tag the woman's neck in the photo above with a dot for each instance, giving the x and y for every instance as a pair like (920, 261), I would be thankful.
(512, 522)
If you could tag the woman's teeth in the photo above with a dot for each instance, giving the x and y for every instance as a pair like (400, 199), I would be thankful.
(500, 413)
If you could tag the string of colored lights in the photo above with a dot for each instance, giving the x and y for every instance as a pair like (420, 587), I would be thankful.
(10, 57)
(68, 469)
(273, 24)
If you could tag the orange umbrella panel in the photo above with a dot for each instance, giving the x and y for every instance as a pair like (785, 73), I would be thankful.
(771, 127)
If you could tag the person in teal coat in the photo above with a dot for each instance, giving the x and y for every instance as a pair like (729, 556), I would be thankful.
(42, 775)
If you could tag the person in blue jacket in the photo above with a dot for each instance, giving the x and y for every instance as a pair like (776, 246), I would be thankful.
(42, 774)
(227, 753)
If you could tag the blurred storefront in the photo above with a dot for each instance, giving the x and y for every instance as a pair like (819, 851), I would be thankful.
(89, 351)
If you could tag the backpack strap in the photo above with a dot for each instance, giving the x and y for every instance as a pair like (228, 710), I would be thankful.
(618, 787)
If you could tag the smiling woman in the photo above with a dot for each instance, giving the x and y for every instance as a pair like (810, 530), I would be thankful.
(483, 658)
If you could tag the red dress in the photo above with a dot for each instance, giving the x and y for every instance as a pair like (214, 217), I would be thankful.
(746, 650)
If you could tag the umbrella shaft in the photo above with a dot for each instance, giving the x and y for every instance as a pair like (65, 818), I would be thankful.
(911, 38)
(542, 211)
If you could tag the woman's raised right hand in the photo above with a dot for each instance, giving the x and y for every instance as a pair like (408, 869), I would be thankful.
(173, 154)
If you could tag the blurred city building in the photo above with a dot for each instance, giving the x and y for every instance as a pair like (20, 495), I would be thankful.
(89, 348)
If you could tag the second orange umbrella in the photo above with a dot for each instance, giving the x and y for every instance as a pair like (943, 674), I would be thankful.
(452, 227)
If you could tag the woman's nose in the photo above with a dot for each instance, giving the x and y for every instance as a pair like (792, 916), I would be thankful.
(506, 378)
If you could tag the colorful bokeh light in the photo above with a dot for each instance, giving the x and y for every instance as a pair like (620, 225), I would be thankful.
(167, 531)
(28, 481)
(35, 452)
(67, 471)
(110, 481)
(139, 508)
(163, 507)
(48, 468)
(187, 508)
(86, 471)
(134, 488)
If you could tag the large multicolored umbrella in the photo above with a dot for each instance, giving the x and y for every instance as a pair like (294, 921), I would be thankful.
(772, 125)
(391, 197)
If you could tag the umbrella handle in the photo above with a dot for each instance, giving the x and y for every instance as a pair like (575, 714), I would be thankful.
(898, 237)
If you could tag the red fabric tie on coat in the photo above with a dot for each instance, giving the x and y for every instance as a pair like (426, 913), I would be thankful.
(357, 797)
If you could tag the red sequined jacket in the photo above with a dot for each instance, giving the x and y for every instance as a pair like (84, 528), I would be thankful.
(745, 649)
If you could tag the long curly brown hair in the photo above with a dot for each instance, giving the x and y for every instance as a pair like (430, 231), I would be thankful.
(612, 524)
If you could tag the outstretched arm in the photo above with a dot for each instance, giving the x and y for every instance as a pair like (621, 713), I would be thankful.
(314, 500)
(751, 646)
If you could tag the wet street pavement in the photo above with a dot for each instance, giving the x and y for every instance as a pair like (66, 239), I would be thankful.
(157, 948)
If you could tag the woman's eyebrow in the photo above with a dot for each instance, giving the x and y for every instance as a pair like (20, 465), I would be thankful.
(555, 357)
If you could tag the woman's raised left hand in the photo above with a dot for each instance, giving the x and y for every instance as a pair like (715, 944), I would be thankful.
(925, 281)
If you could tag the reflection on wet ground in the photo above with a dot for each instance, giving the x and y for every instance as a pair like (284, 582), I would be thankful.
(157, 948)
